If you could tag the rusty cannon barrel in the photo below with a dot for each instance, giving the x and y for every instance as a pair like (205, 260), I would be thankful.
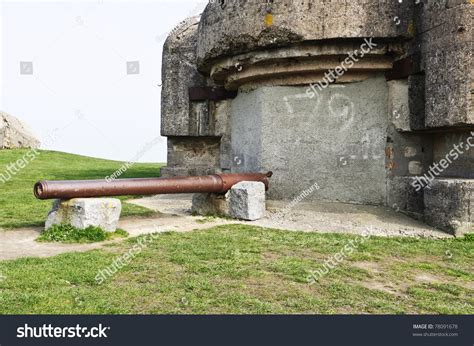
(216, 183)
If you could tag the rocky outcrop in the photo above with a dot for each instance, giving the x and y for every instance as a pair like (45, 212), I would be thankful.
(15, 134)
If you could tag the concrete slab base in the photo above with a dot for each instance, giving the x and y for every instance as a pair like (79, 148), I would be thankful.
(309, 216)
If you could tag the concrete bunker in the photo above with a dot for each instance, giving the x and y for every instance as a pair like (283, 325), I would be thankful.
(251, 86)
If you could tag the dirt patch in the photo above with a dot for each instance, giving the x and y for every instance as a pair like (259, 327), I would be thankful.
(371, 267)
(22, 242)
(384, 287)
(398, 286)
(271, 256)
(426, 278)
(175, 216)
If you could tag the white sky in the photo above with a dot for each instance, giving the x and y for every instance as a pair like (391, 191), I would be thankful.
(80, 98)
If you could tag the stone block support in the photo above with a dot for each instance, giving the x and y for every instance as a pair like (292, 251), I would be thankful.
(210, 204)
(85, 212)
(247, 200)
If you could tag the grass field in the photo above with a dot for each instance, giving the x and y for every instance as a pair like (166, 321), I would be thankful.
(226, 269)
(18, 206)
(242, 269)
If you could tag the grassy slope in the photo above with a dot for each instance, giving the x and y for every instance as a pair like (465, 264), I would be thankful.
(18, 206)
(243, 269)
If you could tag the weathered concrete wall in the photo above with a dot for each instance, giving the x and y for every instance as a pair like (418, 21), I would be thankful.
(179, 72)
(221, 112)
(198, 132)
(192, 156)
(449, 205)
(446, 43)
(246, 131)
(231, 27)
(404, 198)
(363, 140)
(407, 155)
(456, 147)
(399, 110)
(336, 139)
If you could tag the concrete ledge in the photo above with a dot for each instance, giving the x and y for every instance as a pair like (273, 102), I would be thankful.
(448, 205)
(232, 27)
(85, 212)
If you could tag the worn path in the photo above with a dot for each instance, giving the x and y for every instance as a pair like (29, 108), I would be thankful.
(320, 217)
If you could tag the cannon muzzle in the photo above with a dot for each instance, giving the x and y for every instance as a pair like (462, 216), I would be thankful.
(216, 183)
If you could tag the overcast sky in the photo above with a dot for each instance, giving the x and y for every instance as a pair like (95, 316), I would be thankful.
(85, 75)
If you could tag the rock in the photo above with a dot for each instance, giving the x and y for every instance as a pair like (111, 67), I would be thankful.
(210, 204)
(85, 212)
(247, 200)
(15, 134)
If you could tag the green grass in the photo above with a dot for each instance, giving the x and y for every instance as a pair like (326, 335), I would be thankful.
(71, 234)
(18, 206)
(243, 269)
(226, 269)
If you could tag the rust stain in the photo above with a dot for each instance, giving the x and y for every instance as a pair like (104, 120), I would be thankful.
(389, 154)
(411, 28)
(268, 19)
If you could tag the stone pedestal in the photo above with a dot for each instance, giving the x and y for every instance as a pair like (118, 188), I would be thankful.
(85, 212)
(247, 200)
(210, 204)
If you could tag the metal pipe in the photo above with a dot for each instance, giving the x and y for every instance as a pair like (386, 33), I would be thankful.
(216, 183)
